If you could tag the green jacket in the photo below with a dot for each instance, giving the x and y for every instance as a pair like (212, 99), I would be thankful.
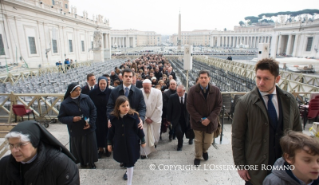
(250, 130)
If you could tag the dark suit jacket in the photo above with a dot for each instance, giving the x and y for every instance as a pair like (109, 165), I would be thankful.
(135, 97)
(174, 110)
(139, 84)
(86, 90)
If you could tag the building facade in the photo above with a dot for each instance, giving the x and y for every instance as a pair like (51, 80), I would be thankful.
(297, 39)
(134, 38)
(41, 33)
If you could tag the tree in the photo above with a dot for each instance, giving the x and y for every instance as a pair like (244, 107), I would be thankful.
(241, 23)
(252, 19)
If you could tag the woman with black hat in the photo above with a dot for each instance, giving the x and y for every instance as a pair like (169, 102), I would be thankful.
(37, 158)
(79, 113)
(100, 97)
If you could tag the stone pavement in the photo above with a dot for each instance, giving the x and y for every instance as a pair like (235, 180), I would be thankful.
(165, 166)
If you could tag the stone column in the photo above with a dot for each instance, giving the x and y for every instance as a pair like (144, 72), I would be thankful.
(289, 47)
(279, 44)
(296, 45)
(274, 45)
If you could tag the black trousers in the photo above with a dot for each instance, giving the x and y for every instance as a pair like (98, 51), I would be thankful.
(180, 130)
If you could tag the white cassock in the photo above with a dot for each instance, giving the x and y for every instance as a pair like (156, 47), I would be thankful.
(154, 105)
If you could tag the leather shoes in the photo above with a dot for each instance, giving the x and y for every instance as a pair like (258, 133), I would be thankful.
(205, 156)
(179, 148)
(122, 165)
(143, 157)
(170, 137)
(190, 141)
(100, 154)
(125, 176)
(83, 166)
(197, 162)
(92, 166)
(108, 154)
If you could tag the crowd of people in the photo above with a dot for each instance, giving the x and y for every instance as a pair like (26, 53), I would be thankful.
(126, 112)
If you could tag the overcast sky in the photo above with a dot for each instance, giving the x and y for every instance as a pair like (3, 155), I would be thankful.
(161, 16)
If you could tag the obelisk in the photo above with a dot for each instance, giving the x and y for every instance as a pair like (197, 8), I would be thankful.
(179, 38)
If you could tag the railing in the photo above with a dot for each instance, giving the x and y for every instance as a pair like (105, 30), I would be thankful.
(291, 82)
(47, 105)
(43, 105)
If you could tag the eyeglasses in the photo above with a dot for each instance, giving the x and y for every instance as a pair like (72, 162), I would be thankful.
(18, 146)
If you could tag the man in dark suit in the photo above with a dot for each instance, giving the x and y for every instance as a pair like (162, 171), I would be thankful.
(178, 116)
(171, 90)
(137, 83)
(91, 84)
(158, 74)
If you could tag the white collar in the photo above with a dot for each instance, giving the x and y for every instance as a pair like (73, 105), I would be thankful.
(31, 160)
(265, 93)
(129, 87)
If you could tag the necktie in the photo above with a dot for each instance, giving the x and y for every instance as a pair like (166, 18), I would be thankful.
(126, 91)
(272, 111)
(204, 90)
(181, 100)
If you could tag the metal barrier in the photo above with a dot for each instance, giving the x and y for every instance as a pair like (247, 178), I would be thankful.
(290, 82)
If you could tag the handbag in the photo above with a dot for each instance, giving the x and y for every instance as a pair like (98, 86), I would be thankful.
(218, 131)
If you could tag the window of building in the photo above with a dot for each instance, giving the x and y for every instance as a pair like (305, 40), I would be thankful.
(66, 5)
(92, 44)
(33, 49)
(53, 3)
(309, 43)
(82, 44)
(1, 46)
(54, 46)
(70, 46)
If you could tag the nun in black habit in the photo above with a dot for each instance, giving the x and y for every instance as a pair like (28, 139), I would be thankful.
(37, 158)
(100, 97)
(79, 113)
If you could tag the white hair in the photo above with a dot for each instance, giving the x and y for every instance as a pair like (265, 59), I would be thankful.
(23, 137)
(181, 87)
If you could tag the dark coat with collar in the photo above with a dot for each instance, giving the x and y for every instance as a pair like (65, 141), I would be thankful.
(135, 97)
(199, 107)
(125, 137)
(254, 140)
(166, 95)
(174, 110)
(139, 84)
(100, 99)
(51, 167)
(69, 109)
(86, 90)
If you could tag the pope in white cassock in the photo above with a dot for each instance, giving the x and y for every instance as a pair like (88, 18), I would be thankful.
(153, 117)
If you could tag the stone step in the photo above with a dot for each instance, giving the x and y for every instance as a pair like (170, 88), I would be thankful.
(160, 177)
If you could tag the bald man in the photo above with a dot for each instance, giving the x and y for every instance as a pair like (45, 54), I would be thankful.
(153, 117)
